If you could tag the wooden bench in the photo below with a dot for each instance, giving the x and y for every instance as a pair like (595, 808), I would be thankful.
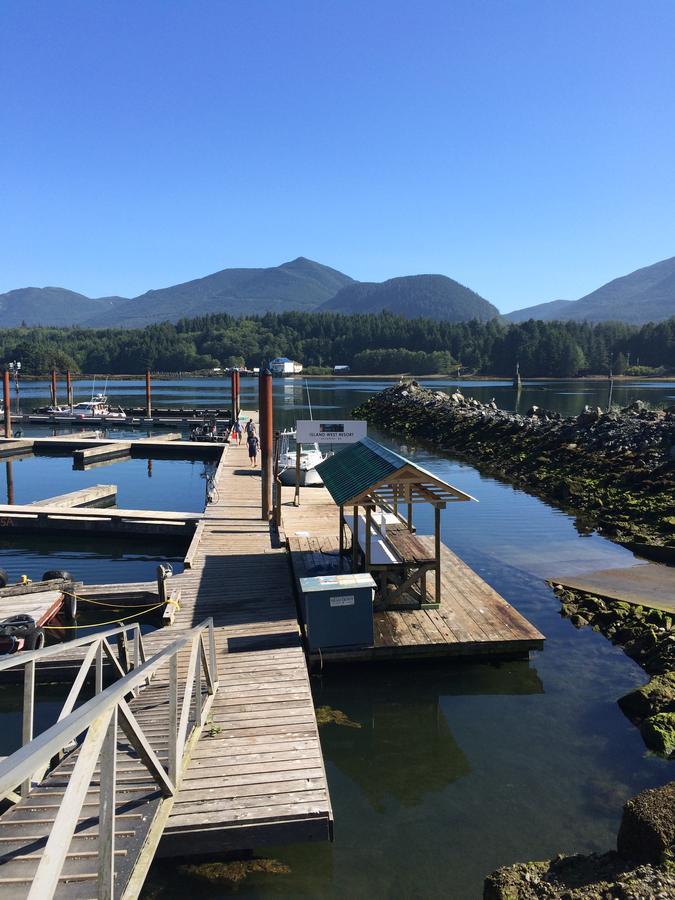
(400, 559)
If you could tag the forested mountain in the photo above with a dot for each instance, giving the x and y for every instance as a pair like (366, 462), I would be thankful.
(372, 344)
(412, 296)
(545, 312)
(51, 306)
(300, 284)
(646, 295)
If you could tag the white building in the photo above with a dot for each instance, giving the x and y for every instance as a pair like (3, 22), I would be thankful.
(282, 365)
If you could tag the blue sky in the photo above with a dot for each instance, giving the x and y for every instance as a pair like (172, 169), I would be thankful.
(524, 147)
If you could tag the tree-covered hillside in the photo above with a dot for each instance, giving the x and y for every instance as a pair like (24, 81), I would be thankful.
(372, 344)
(429, 296)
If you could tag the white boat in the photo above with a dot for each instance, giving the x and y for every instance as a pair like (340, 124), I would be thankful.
(310, 457)
(96, 408)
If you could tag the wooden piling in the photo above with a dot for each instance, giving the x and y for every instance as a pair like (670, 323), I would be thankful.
(7, 399)
(148, 394)
(266, 436)
(53, 387)
(69, 389)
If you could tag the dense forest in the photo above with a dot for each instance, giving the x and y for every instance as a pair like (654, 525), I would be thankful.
(371, 344)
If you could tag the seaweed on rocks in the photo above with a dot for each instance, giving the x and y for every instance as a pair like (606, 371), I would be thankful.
(616, 468)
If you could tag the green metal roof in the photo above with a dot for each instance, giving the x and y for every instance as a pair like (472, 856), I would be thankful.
(356, 468)
(360, 466)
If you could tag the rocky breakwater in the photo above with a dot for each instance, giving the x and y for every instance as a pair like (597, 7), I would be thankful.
(641, 868)
(615, 469)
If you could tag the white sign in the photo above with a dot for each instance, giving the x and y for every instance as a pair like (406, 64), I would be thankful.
(342, 601)
(347, 431)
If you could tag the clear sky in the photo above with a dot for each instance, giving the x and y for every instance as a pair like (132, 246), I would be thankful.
(524, 147)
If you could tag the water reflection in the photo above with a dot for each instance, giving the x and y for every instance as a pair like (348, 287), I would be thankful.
(400, 744)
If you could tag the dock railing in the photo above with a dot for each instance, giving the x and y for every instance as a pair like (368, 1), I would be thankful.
(92, 729)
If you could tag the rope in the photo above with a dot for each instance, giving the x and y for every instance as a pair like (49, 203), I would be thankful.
(102, 602)
(99, 624)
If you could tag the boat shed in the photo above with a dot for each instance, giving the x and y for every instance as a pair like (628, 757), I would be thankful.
(386, 486)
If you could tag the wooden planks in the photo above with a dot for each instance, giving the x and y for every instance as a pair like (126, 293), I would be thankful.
(472, 621)
(257, 776)
(97, 495)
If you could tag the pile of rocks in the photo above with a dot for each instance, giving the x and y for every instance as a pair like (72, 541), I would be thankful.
(640, 868)
(616, 467)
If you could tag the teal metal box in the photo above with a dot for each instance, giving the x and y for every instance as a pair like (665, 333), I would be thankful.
(338, 610)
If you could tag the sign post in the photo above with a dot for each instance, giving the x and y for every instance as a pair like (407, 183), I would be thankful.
(334, 432)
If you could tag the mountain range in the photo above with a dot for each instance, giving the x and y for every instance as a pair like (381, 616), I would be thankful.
(645, 295)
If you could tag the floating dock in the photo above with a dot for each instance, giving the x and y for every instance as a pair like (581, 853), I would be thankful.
(30, 517)
(98, 495)
(255, 773)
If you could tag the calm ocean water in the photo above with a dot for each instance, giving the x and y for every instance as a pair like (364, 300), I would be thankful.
(455, 769)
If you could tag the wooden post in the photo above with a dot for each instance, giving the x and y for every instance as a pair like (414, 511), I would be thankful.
(276, 494)
(342, 534)
(54, 387)
(437, 551)
(238, 381)
(8, 404)
(266, 432)
(296, 495)
(148, 394)
(69, 389)
(355, 540)
(369, 516)
(9, 466)
(410, 509)
(234, 390)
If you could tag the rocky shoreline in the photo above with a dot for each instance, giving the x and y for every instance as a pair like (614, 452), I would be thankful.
(641, 867)
(615, 470)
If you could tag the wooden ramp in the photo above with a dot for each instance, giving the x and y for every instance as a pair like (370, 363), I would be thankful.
(647, 584)
(257, 777)
(91, 826)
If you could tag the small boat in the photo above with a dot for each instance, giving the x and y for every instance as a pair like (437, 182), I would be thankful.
(208, 433)
(310, 457)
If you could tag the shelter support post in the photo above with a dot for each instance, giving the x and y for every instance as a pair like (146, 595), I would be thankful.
(369, 516)
(355, 540)
(342, 533)
(296, 496)
(437, 551)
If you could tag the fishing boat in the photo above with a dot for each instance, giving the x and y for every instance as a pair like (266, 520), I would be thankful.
(96, 408)
(310, 457)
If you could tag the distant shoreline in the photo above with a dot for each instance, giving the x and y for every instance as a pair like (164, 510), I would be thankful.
(171, 376)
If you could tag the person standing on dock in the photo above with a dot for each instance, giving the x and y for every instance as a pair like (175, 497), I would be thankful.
(236, 432)
(253, 444)
(250, 428)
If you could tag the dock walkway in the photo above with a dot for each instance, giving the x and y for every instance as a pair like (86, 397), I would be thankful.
(257, 775)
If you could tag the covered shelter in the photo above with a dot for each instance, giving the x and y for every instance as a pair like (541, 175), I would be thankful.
(386, 486)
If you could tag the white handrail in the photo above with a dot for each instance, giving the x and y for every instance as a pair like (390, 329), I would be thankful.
(24, 762)
(26, 656)
(98, 719)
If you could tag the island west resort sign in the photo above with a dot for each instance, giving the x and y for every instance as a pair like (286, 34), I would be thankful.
(347, 431)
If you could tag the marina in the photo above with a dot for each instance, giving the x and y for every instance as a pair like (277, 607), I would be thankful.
(256, 775)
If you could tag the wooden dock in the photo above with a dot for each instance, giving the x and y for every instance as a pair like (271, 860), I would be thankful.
(29, 517)
(255, 773)
(98, 495)
(473, 620)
